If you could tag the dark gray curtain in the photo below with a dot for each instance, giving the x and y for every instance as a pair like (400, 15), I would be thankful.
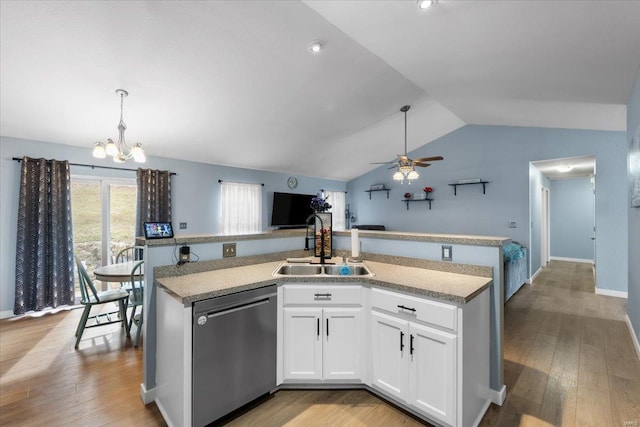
(44, 248)
(154, 197)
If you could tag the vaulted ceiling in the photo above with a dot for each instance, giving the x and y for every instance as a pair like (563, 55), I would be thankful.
(233, 83)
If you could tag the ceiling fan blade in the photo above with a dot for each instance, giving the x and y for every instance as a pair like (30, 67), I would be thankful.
(422, 165)
(429, 159)
(393, 167)
(381, 163)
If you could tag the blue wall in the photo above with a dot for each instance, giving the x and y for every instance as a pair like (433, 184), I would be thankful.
(195, 193)
(571, 218)
(633, 303)
(501, 155)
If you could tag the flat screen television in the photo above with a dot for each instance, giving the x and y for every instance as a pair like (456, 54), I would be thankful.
(290, 210)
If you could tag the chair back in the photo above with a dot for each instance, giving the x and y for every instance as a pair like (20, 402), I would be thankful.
(137, 284)
(87, 289)
(130, 253)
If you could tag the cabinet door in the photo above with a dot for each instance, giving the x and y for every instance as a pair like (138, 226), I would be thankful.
(390, 350)
(341, 346)
(432, 372)
(302, 343)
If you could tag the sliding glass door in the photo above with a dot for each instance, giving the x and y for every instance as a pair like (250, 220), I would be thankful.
(104, 214)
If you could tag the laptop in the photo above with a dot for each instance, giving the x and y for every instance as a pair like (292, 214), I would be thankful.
(158, 230)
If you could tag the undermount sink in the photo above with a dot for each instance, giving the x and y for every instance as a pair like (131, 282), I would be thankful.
(356, 270)
(299, 270)
(320, 270)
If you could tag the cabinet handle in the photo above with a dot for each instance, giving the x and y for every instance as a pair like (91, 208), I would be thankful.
(327, 328)
(402, 307)
(318, 326)
(411, 344)
(322, 295)
(401, 341)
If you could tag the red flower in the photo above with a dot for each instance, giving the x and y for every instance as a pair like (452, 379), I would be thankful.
(427, 189)
(407, 195)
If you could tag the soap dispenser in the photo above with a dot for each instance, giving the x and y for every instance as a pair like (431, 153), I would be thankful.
(345, 270)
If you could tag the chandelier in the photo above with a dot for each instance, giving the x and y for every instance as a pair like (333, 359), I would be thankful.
(119, 150)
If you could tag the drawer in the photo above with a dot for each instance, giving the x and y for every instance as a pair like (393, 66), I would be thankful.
(322, 295)
(414, 308)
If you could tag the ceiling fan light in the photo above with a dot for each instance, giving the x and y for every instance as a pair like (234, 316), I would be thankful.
(98, 151)
(413, 175)
(398, 176)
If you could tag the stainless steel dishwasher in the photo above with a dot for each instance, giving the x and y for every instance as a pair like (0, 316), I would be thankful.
(234, 352)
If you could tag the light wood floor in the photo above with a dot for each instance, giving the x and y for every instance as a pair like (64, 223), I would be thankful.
(569, 361)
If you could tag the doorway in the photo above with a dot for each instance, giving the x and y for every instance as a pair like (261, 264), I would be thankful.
(544, 227)
(104, 215)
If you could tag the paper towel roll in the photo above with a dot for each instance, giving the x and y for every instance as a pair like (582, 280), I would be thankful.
(355, 243)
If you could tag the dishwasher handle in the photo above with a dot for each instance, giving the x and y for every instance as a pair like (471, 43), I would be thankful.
(238, 307)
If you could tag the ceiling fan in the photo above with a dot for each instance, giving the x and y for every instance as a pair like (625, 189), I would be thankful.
(404, 164)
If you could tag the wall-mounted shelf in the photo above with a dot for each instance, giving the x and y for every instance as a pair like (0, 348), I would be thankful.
(455, 186)
(417, 200)
(373, 191)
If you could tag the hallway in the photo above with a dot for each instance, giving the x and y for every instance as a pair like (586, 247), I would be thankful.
(569, 358)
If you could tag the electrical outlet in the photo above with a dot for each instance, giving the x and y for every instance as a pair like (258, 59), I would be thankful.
(183, 226)
(512, 224)
(228, 250)
(447, 253)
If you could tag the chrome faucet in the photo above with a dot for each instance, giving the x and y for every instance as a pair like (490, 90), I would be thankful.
(322, 254)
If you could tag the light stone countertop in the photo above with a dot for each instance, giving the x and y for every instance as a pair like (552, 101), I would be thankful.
(454, 287)
(188, 239)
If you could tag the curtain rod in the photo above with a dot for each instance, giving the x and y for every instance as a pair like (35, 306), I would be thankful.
(18, 159)
(236, 182)
(322, 189)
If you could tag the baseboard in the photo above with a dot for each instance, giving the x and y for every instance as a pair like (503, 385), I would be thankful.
(478, 420)
(6, 314)
(498, 397)
(534, 275)
(634, 337)
(147, 396)
(559, 258)
(610, 293)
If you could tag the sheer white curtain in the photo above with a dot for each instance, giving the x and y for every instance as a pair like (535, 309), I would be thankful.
(337, 200)
(240, 208)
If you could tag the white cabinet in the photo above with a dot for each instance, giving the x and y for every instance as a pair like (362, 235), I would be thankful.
(322, 329)
(432, 372)
(415, 364)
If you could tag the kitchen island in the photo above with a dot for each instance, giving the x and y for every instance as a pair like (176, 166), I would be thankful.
(436, 314)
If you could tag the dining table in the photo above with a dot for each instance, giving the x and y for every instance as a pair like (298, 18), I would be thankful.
(120, 272)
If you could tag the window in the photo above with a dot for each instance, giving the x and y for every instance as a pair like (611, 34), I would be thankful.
(104, 215)
(240, 208)
(337, 200)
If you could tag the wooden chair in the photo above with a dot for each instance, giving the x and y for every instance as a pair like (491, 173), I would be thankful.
(90, 297)
(136, 299)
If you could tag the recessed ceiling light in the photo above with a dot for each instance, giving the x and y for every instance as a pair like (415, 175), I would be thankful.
(564, 168)
(425, 4)
(315, 47)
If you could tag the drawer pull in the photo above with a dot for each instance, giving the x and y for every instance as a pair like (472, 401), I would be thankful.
(401, 341)
(402, 307)
(322, 295)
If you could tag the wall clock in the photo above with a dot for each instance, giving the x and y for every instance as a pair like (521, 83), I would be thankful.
(292, 182)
